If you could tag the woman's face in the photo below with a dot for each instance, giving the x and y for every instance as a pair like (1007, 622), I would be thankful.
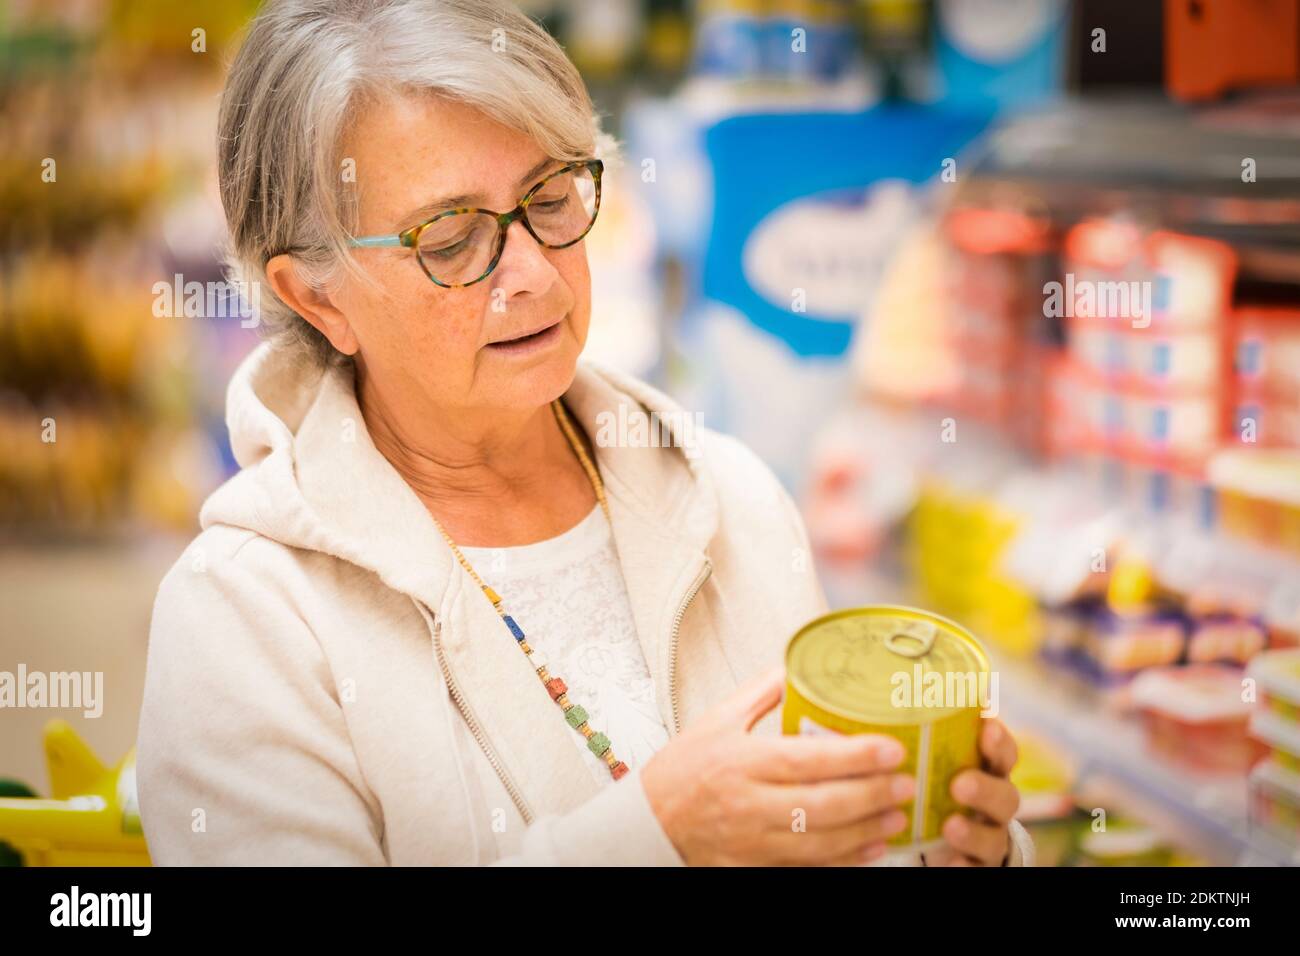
(423, 343)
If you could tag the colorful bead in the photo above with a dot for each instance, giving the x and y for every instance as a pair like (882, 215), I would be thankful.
(575, 716)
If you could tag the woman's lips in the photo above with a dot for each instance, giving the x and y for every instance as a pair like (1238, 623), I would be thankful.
(528, 343)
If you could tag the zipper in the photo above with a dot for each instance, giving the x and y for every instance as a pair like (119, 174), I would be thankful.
(475, 729)
(672, 645)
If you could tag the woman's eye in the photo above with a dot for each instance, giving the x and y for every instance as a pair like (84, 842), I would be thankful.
(454, 249)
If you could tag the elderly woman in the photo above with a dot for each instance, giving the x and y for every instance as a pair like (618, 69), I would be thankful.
(432, 619)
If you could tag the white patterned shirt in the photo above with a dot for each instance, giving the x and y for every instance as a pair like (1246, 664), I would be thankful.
(568, 595)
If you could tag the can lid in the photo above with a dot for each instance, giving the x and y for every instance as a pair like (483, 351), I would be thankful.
(888, 665)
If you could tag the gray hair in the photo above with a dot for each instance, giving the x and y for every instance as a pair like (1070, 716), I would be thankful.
(295, 84)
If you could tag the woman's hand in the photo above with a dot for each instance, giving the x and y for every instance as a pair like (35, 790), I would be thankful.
(726, 797)
(982, 838)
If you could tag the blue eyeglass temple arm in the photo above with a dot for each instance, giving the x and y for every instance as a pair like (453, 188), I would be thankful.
(371, 242)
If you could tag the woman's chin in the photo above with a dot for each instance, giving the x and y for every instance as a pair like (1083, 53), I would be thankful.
(540, 375)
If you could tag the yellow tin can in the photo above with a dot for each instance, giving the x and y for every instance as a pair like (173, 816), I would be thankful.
(885, 669)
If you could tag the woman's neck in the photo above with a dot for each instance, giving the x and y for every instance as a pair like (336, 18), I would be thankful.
(492, 478)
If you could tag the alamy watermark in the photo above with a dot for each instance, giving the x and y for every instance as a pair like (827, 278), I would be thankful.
(922, 689)
(208, 300)
(1105, 300)
(127, 910)
(57, 689)
(634, 428)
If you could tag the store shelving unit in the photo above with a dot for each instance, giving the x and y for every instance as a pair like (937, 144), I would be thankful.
(1114, 762)
(1162, 162)
(1107, 749)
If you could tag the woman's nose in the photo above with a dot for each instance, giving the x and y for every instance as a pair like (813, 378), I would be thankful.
(524, 266)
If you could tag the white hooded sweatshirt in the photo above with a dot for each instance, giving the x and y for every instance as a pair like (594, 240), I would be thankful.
(326, 685)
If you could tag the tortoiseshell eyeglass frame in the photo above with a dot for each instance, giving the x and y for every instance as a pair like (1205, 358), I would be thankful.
(411, 237)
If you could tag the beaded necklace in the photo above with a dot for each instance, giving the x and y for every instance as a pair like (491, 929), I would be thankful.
(574, 714)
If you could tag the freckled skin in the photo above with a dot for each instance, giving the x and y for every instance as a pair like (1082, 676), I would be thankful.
(468, 426)
(424, 343)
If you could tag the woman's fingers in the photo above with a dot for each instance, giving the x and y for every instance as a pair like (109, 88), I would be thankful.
(816, 846)
(810, 758)
(946, 855)
(983, 839)
(858, 857)
(995, 797)
(984, 843)
(726, 795)
(749, 702)
(998, 747)
(834, 803)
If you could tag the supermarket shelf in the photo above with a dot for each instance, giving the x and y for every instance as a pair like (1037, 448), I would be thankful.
(1109, 747)
(1179, 166)
(1147, 142)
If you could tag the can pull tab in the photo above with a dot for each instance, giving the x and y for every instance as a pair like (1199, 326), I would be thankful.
(915, 640)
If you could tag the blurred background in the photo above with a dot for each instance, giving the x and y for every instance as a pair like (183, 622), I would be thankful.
(1006, 291)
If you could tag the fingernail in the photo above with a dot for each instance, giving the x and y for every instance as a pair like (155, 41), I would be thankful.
(895, 822)
(963, 788)
(903, 787)
(890, 752)
(873, 852)
(957, 826)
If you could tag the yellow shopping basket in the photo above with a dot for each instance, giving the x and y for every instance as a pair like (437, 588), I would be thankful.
(92, 817)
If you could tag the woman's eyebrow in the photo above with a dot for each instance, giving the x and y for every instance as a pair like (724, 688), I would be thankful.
(430, 209)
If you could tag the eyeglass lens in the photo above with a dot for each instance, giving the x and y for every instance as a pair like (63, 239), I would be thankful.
(458, 249)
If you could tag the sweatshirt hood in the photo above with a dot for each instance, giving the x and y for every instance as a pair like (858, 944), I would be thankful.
(311, 478)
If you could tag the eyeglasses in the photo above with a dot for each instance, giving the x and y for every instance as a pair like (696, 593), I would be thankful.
(459, 247)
